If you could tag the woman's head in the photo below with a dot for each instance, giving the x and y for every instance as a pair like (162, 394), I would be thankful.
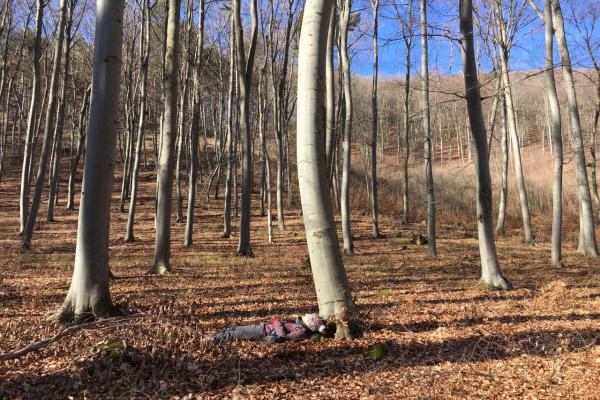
(313, 322)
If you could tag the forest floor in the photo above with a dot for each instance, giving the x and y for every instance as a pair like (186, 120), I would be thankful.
(446, 338)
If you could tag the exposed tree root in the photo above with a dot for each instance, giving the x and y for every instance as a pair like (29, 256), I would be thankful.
(247, 253)
(74, 314)
(159, 269)
(344, 327)
(498, 283)
(353, 250)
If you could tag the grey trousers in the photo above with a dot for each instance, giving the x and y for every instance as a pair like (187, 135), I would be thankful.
(244, 332)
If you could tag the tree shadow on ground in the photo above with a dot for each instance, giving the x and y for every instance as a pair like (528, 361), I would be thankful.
(160, 373)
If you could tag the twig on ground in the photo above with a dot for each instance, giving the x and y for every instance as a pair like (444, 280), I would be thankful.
(35, 346)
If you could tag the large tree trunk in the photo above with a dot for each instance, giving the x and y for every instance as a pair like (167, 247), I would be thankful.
(162, 249)
(330, 135)
(345, 65)
(331, 283)
(555, 129)
(48, 130)
(32, 117)
(144, 59)
(244, 70)
(491, 276)
(427, 151)
(89, 294)
(587, 232)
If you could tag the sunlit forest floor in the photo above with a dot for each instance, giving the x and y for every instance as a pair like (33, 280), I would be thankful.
(446, 337)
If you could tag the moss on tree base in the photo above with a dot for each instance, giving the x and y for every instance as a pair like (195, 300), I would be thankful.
(499, 283)
(66, 314)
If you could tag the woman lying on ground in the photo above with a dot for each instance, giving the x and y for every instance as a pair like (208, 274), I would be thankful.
(277, 331)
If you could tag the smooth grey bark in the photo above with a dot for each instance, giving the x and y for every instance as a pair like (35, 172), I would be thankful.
(555, 130)
(79, 150)
(34, 107)
(593, 163)
(330, 135)
(279, 78)
(427, 151)
(183, 111)
(407, 34)
(374, 122)
(244, 69)
(492, 120)
(48, 130)
(129, 116)
(89, 294)
(265, 161)
(144, 61)
(230, 133)
(504, 179)
(589, 36)
(491, 276)
(345, 11)
(331, 283)
(512, 125)
(162, 245)
(6, 25)
(194, 132)
(55, 171)
(587, 231)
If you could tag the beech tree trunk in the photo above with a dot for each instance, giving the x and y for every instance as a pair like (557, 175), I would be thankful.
(194, 133)
(428, 146)
(374, 122)
(408, 37)
(345, 65)
(512, 126)
(32, 117)
(331, 283)
(587, 231)
(79, 150)
(55, 171)
(330, 136)
(48, 130)
(555, 130)
(144, 60)
(166, 162)
(230, 139)
(504, 179)
(89, 294)
(491, 276)
(244, 69)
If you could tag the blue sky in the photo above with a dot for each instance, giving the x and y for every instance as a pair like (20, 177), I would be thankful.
(444, 54)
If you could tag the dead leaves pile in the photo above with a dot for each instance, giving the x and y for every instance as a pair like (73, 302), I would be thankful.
(430, 331)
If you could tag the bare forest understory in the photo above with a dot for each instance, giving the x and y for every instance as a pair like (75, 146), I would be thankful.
(445, 337)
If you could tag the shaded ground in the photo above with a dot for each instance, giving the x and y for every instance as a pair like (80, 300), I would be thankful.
(446, 338)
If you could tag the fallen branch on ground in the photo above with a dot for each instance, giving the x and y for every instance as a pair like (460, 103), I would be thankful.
(35, 346)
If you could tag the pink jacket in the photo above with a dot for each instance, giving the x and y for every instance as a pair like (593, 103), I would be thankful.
(285, 330)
